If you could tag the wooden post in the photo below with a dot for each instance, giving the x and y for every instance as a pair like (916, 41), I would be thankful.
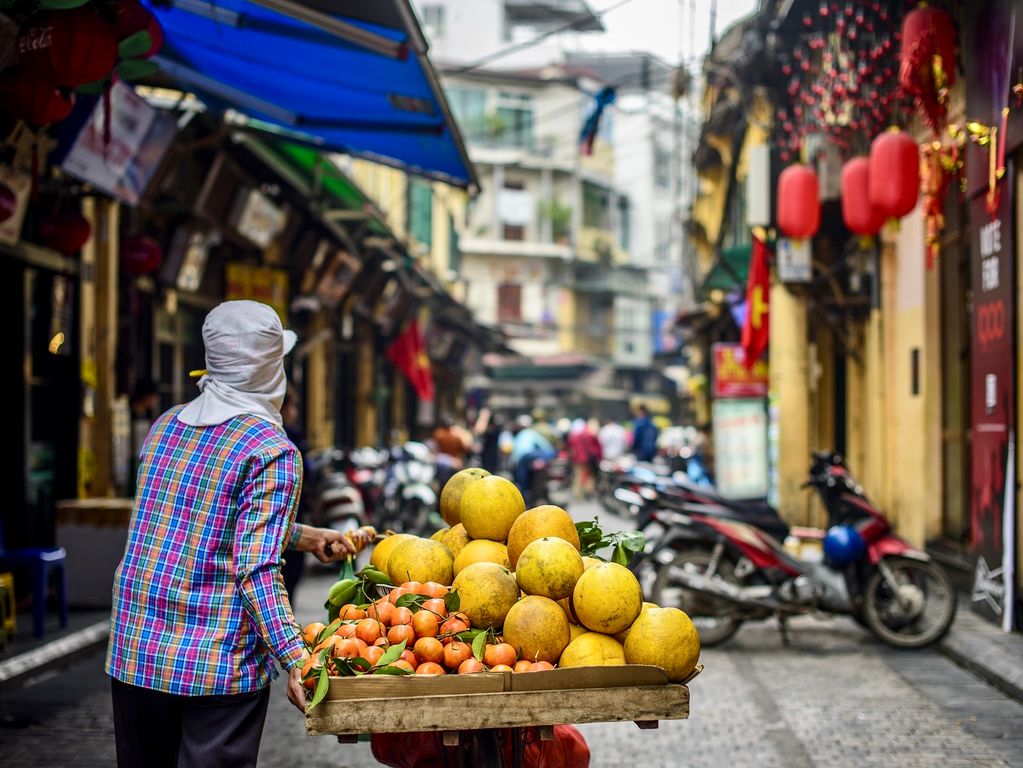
(105, 236)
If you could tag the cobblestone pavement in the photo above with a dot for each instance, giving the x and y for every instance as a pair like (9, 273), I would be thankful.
(834, 697)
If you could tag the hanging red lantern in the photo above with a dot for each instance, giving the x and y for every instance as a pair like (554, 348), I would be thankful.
(927, 61)
(135, 17)
(75, 46)
(140, 255)
(858, 214)
(894, 173)
(33, 96)
(799, 207)
(66, 231)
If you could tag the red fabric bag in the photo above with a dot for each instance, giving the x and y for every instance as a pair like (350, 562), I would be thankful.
(425, 750)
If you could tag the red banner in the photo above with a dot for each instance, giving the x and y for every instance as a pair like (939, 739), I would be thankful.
(993, 355)
(731, 376)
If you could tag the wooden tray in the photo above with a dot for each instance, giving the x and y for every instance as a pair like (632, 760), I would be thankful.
(488, 700)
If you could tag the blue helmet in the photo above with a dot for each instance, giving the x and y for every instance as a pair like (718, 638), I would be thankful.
(843, 545)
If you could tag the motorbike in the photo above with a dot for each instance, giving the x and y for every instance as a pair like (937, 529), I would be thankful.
(724, 571)
(337, 503)
(551, 481)
(411, 499)
(368, 469)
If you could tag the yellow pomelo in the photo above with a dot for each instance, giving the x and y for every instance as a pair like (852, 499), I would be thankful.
(620, 636)
(486, 592)
(455, 538)
(537, 628)
(535, 523)
(382, 551)
(439, 535)
(420, 560)
(451, 495)
(575, 630)
(549, 567)
(589, 562)
(664, 637)
(481, 551)
(607, 598)
(592, 649)
(566, 606)
(489, 507)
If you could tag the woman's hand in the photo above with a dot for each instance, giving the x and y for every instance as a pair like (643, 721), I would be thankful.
(296, 691)
(329, 546)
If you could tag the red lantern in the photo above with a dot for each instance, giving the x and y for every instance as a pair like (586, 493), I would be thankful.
(927, 61)
(140, 255)
(33, 96)
(65, 231)
(134, 17)
(894, 173)
(799, 206)
(75, 46)
(857, 212)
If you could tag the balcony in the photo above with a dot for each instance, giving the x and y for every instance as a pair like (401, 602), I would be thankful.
(599, 245)
(546, 14)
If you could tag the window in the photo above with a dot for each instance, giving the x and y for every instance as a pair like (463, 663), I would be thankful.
(595, 207)
(433, 20)
(420, 211)
(513, 232)
(513, 122)
(623, 223)
(509, 303)
(662, 167)
(470, 108)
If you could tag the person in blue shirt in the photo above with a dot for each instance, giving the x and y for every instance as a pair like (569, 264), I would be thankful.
(528, 446)
(644, 435)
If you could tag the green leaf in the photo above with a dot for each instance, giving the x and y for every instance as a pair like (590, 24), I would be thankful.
(392, 654)
(321, 689)
(591, 537)
(470, 635)
(333, 611)
(479, 646)
(391, 671)
(328, 630)
(345, 669)
(62, 5)
(452, 601)
(412, 602)
(620, 555)
(136, 69)
(634, 541)
(135, 45)
(348, 569)
(94, 88)
(360, 663)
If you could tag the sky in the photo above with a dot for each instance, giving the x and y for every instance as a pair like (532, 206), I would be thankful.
(660, 26)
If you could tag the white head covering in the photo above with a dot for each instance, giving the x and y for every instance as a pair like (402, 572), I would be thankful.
(245, 348)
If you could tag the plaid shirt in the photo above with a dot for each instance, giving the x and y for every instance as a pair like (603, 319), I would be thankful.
(199, 604)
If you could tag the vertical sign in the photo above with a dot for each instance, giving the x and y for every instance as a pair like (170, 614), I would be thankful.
(993, 353)
(740, 448)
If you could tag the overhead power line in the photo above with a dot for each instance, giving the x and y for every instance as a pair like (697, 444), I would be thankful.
(502, 52)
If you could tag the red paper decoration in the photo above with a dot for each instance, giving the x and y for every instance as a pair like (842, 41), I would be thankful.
(134, 17)
(894, 173)
(65, 231)
(859, 215)
(927, 67)
(140, 255)
(799, 207)
(75, 46)
(33, 96)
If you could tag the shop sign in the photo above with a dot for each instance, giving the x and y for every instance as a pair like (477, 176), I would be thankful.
(270, 286)
(731, 376)
(740, 448)
(123, 160)
(993, 354)
(256, 218)
(794, 262)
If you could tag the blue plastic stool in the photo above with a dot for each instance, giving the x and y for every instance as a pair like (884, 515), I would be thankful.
(41, 562)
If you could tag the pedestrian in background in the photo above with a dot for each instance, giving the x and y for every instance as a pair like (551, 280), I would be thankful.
(584, 452)
(450, 449)
(644, 435)
(199, 607)
(614, 440)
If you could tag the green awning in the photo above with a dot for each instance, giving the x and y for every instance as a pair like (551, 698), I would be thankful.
(729, 271)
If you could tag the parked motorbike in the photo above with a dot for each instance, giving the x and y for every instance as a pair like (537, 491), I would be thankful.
(410, 496)
(723, 571)
(369, 470)
(551, 482)
(337, 503)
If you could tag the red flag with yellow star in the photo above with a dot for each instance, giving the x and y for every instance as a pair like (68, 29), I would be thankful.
(408, 353)
(758, 291)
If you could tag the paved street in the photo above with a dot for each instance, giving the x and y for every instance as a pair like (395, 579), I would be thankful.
(834, 697)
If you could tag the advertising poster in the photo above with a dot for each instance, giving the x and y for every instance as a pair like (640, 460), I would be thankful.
(993, 352)
(740, 448)
(731, 376)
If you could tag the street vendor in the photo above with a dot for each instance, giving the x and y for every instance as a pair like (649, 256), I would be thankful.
(199, 606)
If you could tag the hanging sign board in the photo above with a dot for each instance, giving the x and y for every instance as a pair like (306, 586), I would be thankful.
(731, 376)
(794, 262)
(269, 286)
(740, 448)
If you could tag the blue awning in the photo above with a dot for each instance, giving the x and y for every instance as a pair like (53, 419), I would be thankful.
(343, 75)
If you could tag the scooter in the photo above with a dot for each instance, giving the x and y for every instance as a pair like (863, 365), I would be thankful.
(730, 572)
(338, 504)
(551, 481)
(411, 495)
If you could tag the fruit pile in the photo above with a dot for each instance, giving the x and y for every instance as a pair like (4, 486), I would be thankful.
(501, 589)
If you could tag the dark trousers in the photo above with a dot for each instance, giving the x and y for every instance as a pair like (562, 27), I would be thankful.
(154, 729)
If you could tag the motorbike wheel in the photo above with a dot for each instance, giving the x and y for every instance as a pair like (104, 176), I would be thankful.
(416, 517)
(705, 611)
(916, 610)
